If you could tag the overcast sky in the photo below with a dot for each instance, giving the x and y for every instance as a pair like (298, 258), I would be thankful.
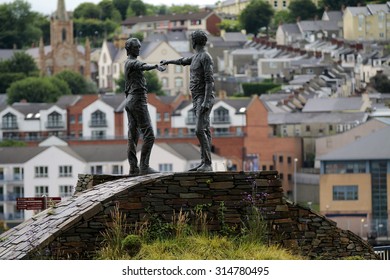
(46, 7)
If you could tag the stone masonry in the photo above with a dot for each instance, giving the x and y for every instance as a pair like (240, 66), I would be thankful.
(73, 228)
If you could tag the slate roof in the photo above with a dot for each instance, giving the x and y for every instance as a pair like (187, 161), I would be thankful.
(101, 153)
(373, 146)
(67, 100)
(31, 108)
(312, 118)
(358, 10)
(333, 104)
(291, 28)
(18, 155)
(114, 100)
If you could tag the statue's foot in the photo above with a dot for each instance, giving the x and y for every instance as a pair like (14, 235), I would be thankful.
(196, 167)
(148, 170)
(134, 171)
(205, 167)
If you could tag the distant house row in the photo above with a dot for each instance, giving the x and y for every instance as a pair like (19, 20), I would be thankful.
(365, 23)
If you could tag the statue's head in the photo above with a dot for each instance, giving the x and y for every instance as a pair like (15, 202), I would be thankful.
(198, 37)
(132, 46)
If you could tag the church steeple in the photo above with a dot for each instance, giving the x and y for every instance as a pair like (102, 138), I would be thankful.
(61, 13)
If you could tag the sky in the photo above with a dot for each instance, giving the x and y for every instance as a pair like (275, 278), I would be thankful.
(46, 7)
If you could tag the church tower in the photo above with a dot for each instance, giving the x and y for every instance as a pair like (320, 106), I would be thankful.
(64, 54)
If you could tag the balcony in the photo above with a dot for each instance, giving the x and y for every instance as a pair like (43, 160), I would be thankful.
(9, 125)
(98, 123)
(55, 125)
(221, 120)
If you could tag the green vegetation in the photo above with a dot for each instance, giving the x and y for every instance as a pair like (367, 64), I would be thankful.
(259, 88)
(186, 239)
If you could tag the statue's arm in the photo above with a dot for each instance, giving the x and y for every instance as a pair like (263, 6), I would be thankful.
(181, 61)
(208, 69)
(148, 67)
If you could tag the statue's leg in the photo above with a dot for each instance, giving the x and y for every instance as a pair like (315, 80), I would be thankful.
(146, 130)
(132, 141)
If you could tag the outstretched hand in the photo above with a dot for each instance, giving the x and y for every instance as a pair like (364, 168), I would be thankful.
(164, 62)
(161, 68)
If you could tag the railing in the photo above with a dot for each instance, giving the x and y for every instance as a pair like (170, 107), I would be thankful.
(55, 124)
(221, 120)
(11, 125)
(98, 123)
(190, 120)
(383, 252)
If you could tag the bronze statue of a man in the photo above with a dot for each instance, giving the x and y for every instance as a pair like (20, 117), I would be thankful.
(137, 110)
(202, 91)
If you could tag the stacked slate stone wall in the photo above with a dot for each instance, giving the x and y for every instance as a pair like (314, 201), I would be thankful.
(74, 228)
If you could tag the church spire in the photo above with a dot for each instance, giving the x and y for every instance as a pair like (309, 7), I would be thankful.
(61, 13)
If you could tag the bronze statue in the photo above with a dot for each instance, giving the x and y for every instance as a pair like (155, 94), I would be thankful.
(202, 91)
(137, 110)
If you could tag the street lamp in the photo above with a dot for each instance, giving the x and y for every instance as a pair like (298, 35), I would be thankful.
(295, 180)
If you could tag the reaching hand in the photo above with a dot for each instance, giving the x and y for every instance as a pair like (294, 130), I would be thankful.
(161, 68)
(164, 62)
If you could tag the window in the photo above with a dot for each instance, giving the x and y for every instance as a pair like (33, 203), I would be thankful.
(190, 117)
(117, 169)
(308, 128)
(280, 159)
(345, 192)
(65, 171)
(98, 119)
(178, 82)
(166, 116)
(178, 69)
(72, 119)
(9, 121)
(264, 167)
(289, 177)
(80, 120)
(54, 120)
(289, 160)
(97, 169)
(221, 131)
(360, 22)
(164, 82)
(158, 132)
(165, 167)
(66, 190)
(166, 132)
(221, 115)
(158, 117)
(343, 167)
(41, 171)
(18, 173)
(41, 191)
(284, 4)
(275, 4)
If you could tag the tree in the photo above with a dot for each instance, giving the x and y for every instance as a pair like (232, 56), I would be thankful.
(76, 82)
(230, 25)
(18, 25)
(255, 16)
(381, 83)
(24, 63)
(183, 9)
(121, 6)
(137, 7)
(304, 9)
(87, 10)
(37, 90)
(281, 17)
(108, 11)
(18, 67)
(154, 84)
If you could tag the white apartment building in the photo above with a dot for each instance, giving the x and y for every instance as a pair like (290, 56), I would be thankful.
(52, 169)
